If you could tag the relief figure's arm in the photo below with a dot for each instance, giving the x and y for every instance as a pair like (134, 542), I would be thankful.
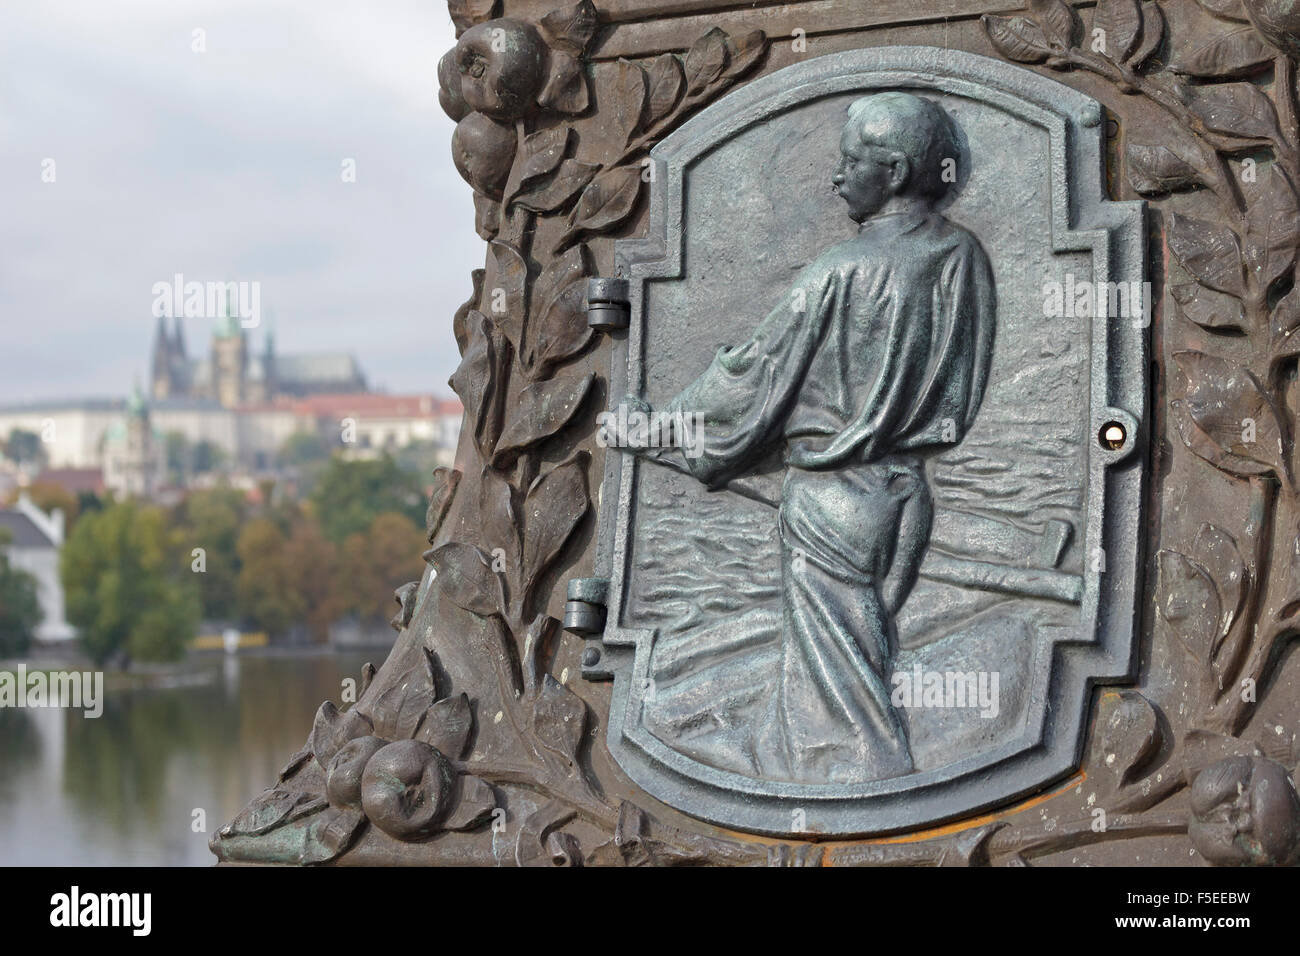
(737, 408)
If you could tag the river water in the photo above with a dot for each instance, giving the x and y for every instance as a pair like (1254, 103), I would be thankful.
(164, 766)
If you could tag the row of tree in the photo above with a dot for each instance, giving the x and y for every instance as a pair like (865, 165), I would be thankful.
(138, 578)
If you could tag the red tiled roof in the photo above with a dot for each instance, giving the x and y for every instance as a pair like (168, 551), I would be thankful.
(74, 480)
(366, 404)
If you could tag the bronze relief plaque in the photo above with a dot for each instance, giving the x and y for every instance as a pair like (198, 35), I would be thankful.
(873, 545)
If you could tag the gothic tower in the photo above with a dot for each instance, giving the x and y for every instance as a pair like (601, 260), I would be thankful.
(229, 360)
(160, 374)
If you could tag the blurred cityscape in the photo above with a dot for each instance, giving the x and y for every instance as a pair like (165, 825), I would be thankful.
(240, 497)
(208, 504)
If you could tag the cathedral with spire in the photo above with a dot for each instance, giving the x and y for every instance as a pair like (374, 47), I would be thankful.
(235, 374)
(231, 412)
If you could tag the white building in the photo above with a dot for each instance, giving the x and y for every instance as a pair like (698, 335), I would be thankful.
(36, 540)
(363, 425)
(198, 421)
(72, 433)
(263, 431)
(387, 422)
(128, 440)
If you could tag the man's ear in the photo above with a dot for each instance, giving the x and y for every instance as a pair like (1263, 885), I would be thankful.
(900, 172)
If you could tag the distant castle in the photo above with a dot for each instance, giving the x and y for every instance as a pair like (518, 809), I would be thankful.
(233, 375)
(241, 405)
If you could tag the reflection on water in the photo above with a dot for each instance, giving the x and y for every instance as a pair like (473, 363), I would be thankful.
(122, 789)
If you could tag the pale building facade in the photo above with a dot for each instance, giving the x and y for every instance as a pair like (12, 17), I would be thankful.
(242, 402)
(35, 542)
(72, 433)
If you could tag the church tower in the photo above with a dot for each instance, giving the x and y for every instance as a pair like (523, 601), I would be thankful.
(229, 360)
(134, 458)
(180, 361)
(269, 386)
(161, 384)
(169, 370)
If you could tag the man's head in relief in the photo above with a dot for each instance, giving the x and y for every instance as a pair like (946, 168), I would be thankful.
(892, 154)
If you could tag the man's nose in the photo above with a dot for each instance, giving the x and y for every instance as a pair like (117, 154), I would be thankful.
(837, 177)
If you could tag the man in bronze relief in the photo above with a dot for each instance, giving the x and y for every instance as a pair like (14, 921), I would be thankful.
(877, 358)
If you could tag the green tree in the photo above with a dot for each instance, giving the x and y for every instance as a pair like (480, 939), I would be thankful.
(421, 457)
(302, 448)
(207, 457)
(312, 560)
(356, 582)
(211, 520)
(20, 611)
(179, 455)
(264, 587)
(394, 545)
(374, 564)
(351, 494)
(288, 578)
(89, 501)
(128, 585)
(47, 496)
(24, 447)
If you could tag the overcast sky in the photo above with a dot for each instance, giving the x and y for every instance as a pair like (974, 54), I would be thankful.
(226, 165)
